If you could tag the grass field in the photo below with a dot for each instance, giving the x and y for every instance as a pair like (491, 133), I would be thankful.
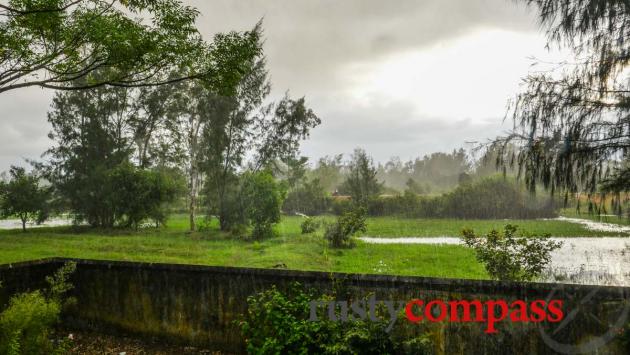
(405, 227)
(174, 244)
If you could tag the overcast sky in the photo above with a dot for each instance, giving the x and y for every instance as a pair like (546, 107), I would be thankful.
(398, 78)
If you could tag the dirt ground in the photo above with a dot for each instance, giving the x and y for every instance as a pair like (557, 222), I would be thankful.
(89, 343)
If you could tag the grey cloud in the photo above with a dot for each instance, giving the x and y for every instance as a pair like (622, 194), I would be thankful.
(308, 45)
(394, 130)
(307, 41)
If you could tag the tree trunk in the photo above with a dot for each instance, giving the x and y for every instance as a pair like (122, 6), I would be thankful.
(23, 224)
(193, 198)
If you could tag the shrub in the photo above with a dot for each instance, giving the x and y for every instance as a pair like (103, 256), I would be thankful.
(139, 194)
(510, 257)
(25, 325)
(264, 197)
(310, 225)
(340, 233)
(278, 323)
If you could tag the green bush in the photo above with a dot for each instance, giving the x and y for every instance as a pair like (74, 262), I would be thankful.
(507, 256)
(278, 323)
(340, 233)
(26, 324)
(264, 197)
(310, 225)
(139, 194)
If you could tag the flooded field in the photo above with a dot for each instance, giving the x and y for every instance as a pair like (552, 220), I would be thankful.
(583, 260)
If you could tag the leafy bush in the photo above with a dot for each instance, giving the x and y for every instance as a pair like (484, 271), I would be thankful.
(340, 233)
(278, 323)
(310, 225)
(139, 194)
(264, 197)
(507, 256)
(25, 325)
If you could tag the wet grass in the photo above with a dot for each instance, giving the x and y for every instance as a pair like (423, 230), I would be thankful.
(175, 244)
(406, 227)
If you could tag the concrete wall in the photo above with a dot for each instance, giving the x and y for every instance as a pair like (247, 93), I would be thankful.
(200, 304)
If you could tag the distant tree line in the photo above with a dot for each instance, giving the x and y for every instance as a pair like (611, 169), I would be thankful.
(481, 192)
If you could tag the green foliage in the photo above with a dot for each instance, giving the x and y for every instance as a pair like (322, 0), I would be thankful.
(489, 198)
(495, 197)
(507, 256)
(414, 187)
(310, 225)
(437, 172)
(139, 194)
(361, 182)
(328, 171)
(340, 233)
(567, 120)
(278, 323)
(23, 197)
(63, 43)
(264, 197)
(310, 198)
(25, 325)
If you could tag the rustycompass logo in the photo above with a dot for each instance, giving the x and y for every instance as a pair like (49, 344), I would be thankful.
(489, 312)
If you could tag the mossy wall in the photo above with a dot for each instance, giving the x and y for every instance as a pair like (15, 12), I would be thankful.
(200, 304)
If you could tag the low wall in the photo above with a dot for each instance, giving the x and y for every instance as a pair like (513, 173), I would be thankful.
(200, 304)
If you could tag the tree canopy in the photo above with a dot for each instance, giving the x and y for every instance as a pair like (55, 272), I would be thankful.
(572, 129)
(60, 44)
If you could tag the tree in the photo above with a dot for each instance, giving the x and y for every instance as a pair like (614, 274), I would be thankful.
(309, 198)
(240, 126)
(22, 196)
(263, 197)
(329, 171)
(93, 136)
(414, 187)
(140, 194)
(98, 129)
(361, 182)
(572, 122)
(60, 44)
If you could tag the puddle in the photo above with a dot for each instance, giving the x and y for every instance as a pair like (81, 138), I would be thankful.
(596, 226)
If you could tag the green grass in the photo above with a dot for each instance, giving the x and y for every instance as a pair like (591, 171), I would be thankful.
(391, 227)
(175, 244)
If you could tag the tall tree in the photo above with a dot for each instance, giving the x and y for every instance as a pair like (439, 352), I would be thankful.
(572, 123)
(93, 135)
(361, 182)
(241, 126)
